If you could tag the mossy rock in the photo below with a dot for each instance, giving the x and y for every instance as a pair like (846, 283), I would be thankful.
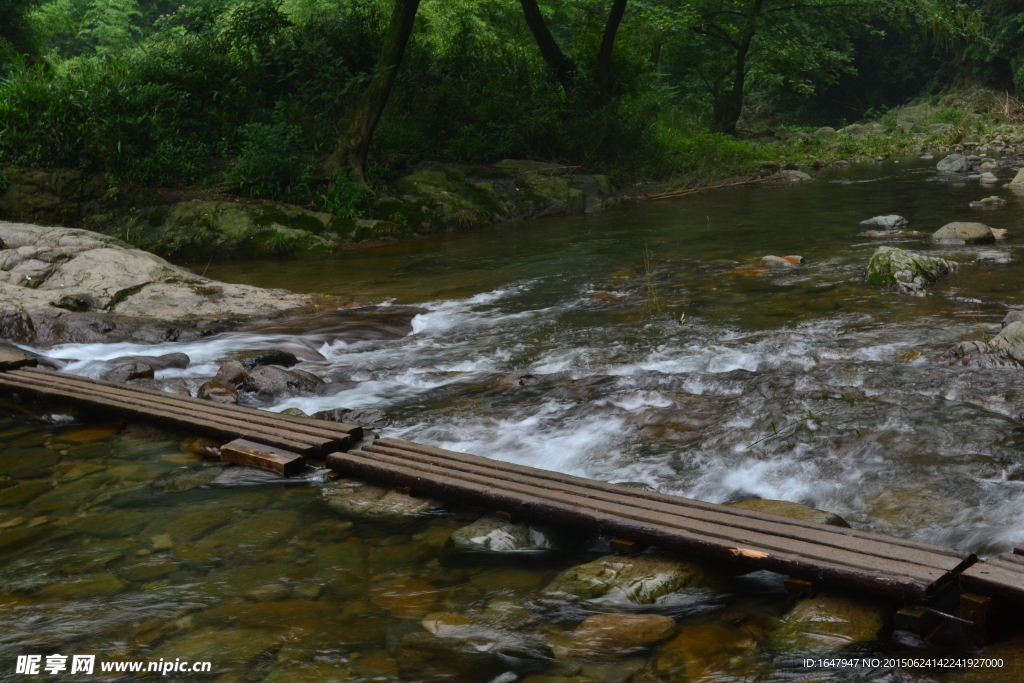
(784, 508)
(906, 271)
(830, 622)
(638, 579)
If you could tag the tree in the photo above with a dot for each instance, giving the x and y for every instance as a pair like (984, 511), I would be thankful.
(795, 42)
(564, 68)
(355, 146)
(16, 30)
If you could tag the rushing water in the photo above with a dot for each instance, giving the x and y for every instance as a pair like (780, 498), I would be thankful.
(557, 344)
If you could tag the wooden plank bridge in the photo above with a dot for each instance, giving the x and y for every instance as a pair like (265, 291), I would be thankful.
(811, 553)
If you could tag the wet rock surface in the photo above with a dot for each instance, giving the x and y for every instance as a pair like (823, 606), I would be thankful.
(890, 222)
(639, 579)
(830, 622)
(963, 233)
(359, 499)
(784, 508)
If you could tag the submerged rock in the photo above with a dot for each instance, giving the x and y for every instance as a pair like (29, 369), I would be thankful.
(784, 508)
(469, 652)
(708, 652)
(963, 233)
(890, 222)
(613, 636)
(498, 535)
(782, 261)
(128, 372)
(294, 412)
(905, 271)
(639, 579)
(988, 201)
(830, 622)
(351, 497)
(890, 234)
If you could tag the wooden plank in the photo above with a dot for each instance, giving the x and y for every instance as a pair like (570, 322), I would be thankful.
(699, 507)
(325, 442)
(187, 416)
(755, 539)
(560, 511)
(243, 452)
(302, 424)
(12, 360)
(996, 577)
(196, 425)
(876, 545)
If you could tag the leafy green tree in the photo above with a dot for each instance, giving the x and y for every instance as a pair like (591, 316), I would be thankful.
(17, 33)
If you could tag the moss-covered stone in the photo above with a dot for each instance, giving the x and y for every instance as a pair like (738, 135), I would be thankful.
(906, 271)
(830, 622)
(784, 508)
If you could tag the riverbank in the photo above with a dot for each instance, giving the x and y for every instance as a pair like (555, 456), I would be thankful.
(210, 223)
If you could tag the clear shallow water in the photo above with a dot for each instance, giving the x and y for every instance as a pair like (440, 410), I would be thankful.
(557, 344)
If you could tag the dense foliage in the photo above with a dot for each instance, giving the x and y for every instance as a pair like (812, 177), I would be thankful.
(253, 94)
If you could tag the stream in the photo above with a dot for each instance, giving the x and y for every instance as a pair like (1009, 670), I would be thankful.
(645, 344)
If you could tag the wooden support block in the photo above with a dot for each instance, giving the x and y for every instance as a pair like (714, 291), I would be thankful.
(988, 617)
(621, 546)
(1019, 550)
(12, 360)
(916, 619)
(243, 452)
(505, 515)
(808, 588)
(404, 490)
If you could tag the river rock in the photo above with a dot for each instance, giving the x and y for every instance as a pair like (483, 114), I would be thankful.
(781, 261)
(232, 373)
(128, 372)
(270, 381)
(787, 176)
(639, 579)
(890, 222)
(498, 535)
(988, 178)
(784, 508)
(953, 163)
(1014, 316)
(469, 653)
(351, 497)
(825, 132)
(987, 202)
(963, 233)
(84, 585)
(218, 392)
(708, 652)
(1018, 181)
(67, 285)
(253, 359)
(613, 636)
(201, 445)
(905, 271)
(1010, 341)
(828, 623)
(890, 234)
(178, 361)
(294, 412)
(371, 418)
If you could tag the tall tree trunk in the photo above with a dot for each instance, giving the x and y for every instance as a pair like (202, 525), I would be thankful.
(729, 108)
(354, 147)
(605, 72)
(563, 67)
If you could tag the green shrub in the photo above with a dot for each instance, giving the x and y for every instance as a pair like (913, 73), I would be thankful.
(346, 197)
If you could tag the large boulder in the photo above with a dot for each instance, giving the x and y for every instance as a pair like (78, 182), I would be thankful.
(890, 222)
(256, 358)
(49, 196)
(963, 233)
(218, 392)
(494, 534)
(370, 418)
(270, 381)
(128, 372)
(905, 271)
(830, 622)
(784, 508)
(66, 285)
(825, 132)
(638, 579)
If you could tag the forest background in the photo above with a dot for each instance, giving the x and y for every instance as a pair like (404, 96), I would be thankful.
(252, 96)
